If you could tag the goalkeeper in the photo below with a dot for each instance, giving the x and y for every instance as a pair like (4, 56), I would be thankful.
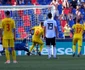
(18, 47)
(36, 38)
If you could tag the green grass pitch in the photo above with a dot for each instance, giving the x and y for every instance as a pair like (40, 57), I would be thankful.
(35, 62)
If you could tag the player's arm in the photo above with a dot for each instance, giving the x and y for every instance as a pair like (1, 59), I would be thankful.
(72, 30)
(56, 30)
(32, 30)
(83, 29)
(1, 30)
(1, 33)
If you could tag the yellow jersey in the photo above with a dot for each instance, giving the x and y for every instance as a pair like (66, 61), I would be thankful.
(8, 25)
(78, 29)
(38, 31)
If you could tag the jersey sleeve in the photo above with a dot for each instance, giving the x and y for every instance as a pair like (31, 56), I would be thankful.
(13, 23)
(2, 24)
(33, 27)
(83, 27)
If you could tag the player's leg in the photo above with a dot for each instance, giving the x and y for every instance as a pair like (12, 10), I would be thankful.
(74, 46)
(41, 46)
(7, 54)
(79, 46)
(31, 48)
(53, 42)
(48, 47)
(25, 49)
(21, 47)
(13, 50)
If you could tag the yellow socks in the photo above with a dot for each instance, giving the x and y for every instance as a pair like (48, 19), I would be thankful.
(74, 48)
(7, 54)
(14, 55)
(79, 49)
(41, 47)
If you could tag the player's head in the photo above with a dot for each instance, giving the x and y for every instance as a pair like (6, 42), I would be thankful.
(7, 13)
(78, 20)
(41, 23)
(49, 15)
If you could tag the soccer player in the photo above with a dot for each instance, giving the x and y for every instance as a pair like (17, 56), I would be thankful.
(77, 37)
(50, 33)
(18, 47)
(8, 36)
(36, 38)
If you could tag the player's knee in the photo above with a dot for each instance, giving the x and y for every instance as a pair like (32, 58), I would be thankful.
(80, 46)
(6, 48)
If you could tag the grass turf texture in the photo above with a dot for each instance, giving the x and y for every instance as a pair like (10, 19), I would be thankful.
(42, 63)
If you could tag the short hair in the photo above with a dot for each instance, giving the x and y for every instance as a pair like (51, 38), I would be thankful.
(78, 20)
(49, 15)
(42, 23)
(7, 13)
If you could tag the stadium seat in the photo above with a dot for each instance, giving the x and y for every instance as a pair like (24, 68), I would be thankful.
(23, 35)
(18, 35)
(26, 17)
(20, 12)
(21, 29)
(27, 23)
(27, 28)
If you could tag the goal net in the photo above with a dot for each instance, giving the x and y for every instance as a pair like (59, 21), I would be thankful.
(26, 17)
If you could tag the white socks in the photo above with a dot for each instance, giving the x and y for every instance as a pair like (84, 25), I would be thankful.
(54, 52)
(50, 52)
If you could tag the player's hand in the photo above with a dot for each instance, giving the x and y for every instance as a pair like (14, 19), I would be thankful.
(14, 38)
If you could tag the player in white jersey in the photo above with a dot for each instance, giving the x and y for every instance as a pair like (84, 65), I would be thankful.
(50, 33)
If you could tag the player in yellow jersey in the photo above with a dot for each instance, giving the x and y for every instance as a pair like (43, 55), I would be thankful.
(36, 38)
(77, 37)
(8, 36)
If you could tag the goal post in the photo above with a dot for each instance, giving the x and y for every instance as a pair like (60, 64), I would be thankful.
(24, 7)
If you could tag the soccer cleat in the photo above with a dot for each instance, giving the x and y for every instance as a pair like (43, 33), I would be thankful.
(15, 61)
(73, 54)
(39, 53)
(49, 57)
(7, 62)
(28, 53)
(56, 57)
(78, 55)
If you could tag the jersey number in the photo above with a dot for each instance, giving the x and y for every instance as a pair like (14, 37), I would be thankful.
(37, 32)
(79, 30)
(50, 26)
(8, 27)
